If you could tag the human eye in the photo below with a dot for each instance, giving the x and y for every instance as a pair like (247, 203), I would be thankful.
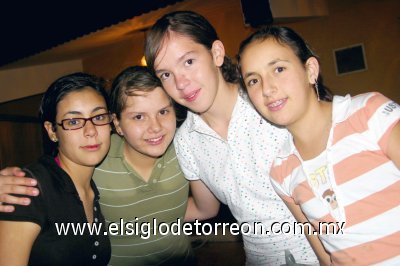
(164, 76)
(100, 118)
(279, 69)
(73, 122)
(164, 112)
(138, 117)
(189, 62)
(251, 82)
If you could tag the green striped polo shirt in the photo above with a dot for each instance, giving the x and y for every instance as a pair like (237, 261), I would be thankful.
(132, 205)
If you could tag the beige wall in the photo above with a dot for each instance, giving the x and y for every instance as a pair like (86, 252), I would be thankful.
(17, 83)
(375, 23)
(225, 15)
(108, 62)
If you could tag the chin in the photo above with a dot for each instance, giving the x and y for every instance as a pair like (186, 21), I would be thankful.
(157, 152)
(93, 162)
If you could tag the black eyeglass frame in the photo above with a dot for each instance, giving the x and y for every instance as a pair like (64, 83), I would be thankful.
(85, 120)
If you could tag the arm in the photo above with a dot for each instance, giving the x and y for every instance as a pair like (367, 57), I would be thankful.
(12, 181)
(16, 240)
(203, 204)
(394, 145)
(323, 256)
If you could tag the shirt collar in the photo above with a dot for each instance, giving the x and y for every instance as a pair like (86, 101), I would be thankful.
(63, 180)
(116, 147)
(288, 147)
(340, 112)
(340, 108)
(196, 123)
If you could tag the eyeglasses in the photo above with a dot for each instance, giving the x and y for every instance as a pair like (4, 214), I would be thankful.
(77, 123)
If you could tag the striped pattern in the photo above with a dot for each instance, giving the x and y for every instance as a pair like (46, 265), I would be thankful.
(123, 194)
(366, 182)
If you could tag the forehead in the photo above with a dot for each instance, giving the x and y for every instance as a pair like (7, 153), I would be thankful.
(82, 99)
(264, 51)
(174, 45)
(147, 99)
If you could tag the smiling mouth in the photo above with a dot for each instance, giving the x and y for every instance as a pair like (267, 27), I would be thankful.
(277, 105)
(155, 141)
(191, 97)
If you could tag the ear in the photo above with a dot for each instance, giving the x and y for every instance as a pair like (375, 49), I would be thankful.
(50, 132)
(312, 68)
(218, 52)
(116, 125)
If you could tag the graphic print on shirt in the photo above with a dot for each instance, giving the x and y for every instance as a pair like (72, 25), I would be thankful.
(319, 180)
(330, 197)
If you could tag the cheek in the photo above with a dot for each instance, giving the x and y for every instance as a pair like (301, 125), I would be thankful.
(133, 131)
(256, 98)
(170, 124)
(169, 87)
(67, 141)
(104, 131)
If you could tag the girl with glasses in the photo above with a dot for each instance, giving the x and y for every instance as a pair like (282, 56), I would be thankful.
(74, 113)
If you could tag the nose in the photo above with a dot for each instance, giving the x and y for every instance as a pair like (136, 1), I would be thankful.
(181, 81)
(268, 87)
(155, 125)
(90, 130)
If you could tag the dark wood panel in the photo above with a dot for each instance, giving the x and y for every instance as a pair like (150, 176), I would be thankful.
(20, 143)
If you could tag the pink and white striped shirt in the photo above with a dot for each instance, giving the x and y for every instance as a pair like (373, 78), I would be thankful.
(365, 181)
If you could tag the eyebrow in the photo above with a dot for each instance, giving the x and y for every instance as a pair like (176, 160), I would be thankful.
(79, 113)
(158, 71)
(271, 63)
(162, 108)
(166, 106)
(139, 112)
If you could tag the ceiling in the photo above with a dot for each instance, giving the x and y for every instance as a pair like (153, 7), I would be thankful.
(40, 32)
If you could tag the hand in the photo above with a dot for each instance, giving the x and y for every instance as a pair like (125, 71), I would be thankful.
(13, 181)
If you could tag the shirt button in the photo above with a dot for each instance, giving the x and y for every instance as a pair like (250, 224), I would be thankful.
(96, 220)
(94, 256)
(159, 165)
(95, 209)
(96, 243)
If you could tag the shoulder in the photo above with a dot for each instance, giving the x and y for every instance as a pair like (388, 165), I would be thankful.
(170, 153)
(186, 125)
(184, 132)
(43, 169)
(362, 105)
(370, 100)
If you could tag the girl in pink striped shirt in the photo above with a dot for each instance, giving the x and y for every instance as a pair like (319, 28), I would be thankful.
(341, 164)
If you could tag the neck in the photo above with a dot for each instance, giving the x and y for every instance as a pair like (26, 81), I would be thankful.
(220, 113)
(311, 132)
(80, 174)
(143, 164)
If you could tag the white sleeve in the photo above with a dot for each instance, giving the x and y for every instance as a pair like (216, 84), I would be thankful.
(185, 156)
(382, 114)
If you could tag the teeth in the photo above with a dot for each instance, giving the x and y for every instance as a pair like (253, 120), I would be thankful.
(155, 140)
(274, 104)
(190, 96)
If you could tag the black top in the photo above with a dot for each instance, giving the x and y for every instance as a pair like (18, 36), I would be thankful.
(58, 202)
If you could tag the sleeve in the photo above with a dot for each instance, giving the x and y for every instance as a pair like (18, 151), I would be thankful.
(31, 213)
(279, 182)
(185, 157)
(382, 115)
